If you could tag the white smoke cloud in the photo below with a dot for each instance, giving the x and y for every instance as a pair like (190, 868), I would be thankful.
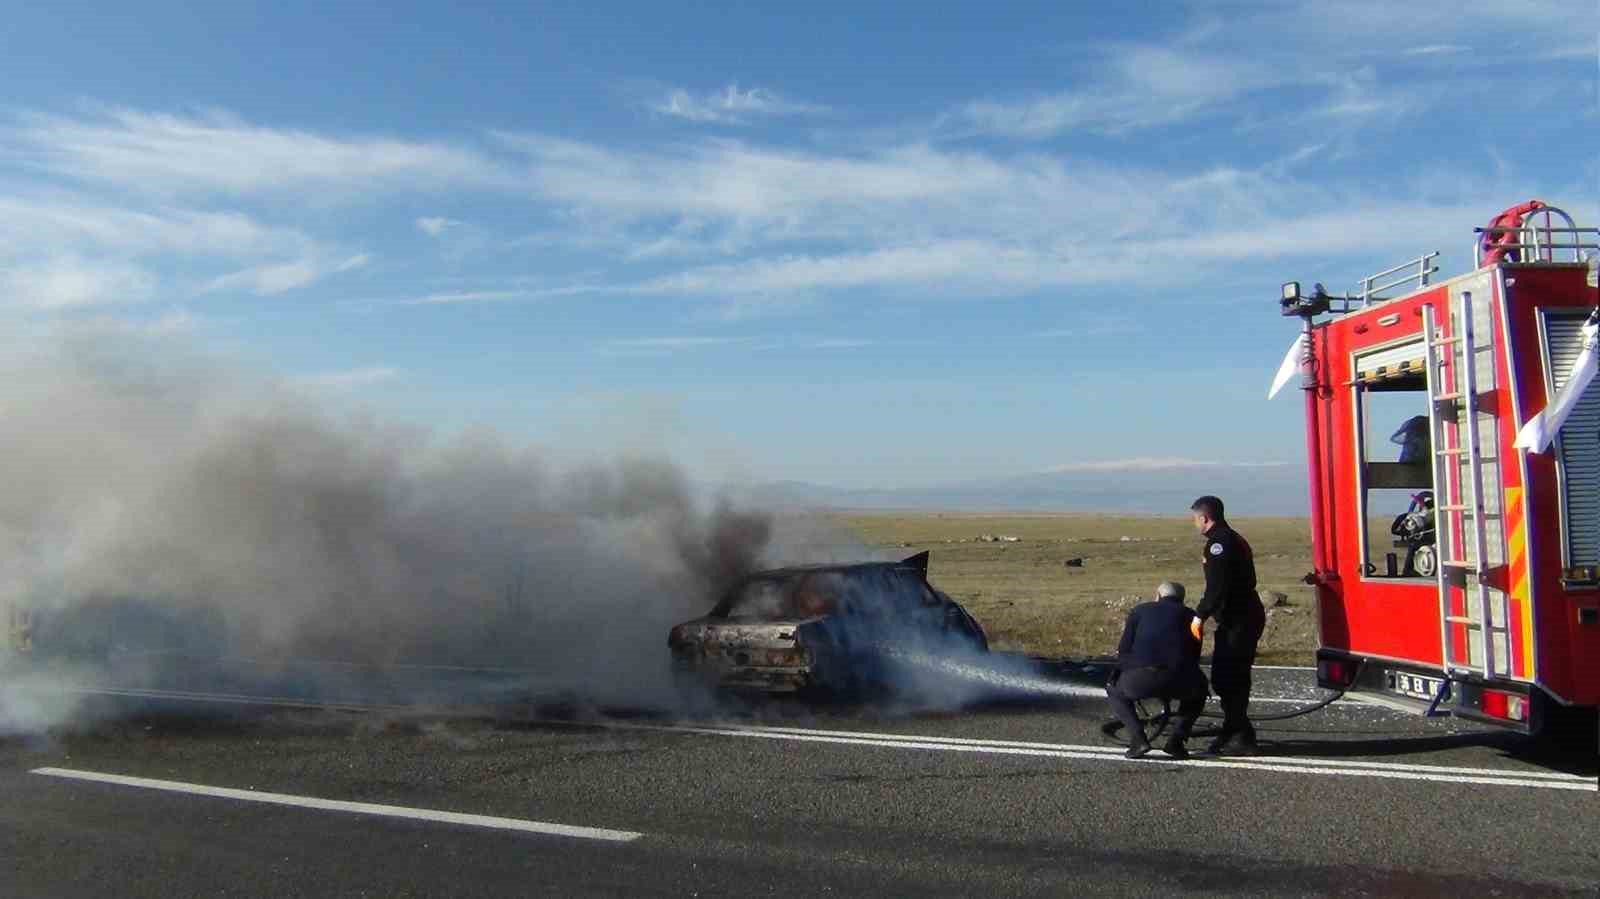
(160, 506)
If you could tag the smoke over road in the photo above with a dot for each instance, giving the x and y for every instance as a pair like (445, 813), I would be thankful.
(160, 507)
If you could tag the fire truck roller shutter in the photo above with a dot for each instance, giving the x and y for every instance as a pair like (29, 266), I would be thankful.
(1403, 361)
(1579, 443)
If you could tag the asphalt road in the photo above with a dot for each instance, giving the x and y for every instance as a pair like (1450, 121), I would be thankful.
(789, 799)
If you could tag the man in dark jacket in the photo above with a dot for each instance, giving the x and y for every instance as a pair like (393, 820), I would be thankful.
(1231, 601)
(1159, 658)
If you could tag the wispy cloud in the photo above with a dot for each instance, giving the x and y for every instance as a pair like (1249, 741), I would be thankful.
(943, 222)
(763, 186)
(901, 265)
(1567, 51)
(348, 379)
(750, 226)
(1136, 87)
(42, 220)
(171, 154)
(1358, 97)
(838, 343)
(65, 249)
(461, 297)
(1301, 54)
(731, 105)
(1041, 257)
(276, 278)
(921, 215)
(679, 344)
(74, 283)
(1087, 330)
(435, 226)
(663, 345)
(464, 296)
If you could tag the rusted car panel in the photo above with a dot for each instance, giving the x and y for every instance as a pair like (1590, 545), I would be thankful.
(825, 627)
(755, 656)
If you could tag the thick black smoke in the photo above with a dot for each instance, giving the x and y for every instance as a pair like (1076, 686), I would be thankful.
(162, 510)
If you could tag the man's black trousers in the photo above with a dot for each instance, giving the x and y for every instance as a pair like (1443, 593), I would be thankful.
(1233, 652)
(1188, 687)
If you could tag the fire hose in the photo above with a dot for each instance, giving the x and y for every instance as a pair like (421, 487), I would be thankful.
(1161, 719)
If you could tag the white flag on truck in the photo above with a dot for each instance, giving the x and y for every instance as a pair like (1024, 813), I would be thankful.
(1294, 361)
(1541, 429)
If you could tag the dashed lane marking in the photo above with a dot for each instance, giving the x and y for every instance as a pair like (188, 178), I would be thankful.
(337, 805)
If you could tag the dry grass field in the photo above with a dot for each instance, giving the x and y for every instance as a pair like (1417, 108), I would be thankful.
(1029, 600)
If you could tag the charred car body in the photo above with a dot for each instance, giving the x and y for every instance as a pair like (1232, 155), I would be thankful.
(834, 628)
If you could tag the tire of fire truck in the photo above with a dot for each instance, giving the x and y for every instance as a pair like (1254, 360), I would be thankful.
(1568, 728)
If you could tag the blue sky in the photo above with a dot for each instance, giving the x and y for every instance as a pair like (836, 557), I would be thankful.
(908, 245)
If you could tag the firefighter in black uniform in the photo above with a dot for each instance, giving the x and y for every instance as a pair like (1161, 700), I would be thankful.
(1232, 602)
(1159, 658)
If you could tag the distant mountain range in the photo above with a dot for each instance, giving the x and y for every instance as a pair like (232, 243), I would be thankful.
(1139, 486)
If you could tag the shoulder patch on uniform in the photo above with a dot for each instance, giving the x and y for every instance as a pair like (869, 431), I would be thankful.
(1216, 549)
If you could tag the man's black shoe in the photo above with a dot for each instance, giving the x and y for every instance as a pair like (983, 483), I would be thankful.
(1175, 748)
(1137, 750)
(1236, 745)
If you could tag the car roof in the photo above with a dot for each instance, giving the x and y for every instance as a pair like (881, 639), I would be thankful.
(917, 564)
(809, 569)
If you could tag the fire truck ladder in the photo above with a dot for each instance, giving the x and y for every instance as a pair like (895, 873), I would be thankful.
(1459, 513)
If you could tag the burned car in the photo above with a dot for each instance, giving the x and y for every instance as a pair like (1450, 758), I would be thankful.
(833, 628)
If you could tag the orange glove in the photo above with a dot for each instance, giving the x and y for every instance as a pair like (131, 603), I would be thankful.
(1196, 627)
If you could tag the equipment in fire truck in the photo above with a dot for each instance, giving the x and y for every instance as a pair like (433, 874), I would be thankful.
(1503, 238)
(1415, 529)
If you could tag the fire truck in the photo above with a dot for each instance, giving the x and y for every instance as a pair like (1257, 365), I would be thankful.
(1453, 450)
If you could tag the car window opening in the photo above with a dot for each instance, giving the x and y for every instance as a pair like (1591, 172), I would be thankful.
(868, 590)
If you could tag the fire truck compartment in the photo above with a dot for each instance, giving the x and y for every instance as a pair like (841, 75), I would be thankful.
(1456, 565)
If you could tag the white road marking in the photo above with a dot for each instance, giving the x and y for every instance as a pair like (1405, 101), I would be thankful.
(335, 805)
(235, 699)
(1288, 764)
(1117, 751)
(1281, 764)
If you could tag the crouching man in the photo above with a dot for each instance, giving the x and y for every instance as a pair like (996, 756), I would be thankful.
(1159, 658)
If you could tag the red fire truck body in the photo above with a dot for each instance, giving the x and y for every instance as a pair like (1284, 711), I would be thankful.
(1495, 614)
